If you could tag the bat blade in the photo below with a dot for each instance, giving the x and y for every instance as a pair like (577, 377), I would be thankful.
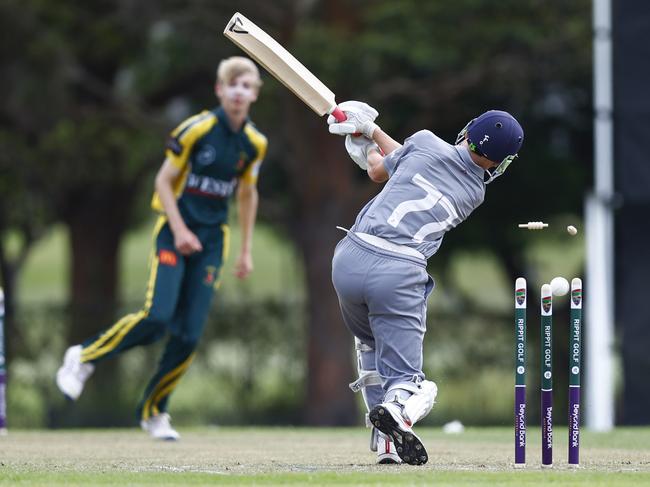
(282, 65)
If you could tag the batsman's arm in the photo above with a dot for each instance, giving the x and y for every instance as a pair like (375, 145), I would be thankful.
(376, 170)
(385, 142)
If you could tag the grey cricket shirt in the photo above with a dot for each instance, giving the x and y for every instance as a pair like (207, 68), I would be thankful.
(433, 186)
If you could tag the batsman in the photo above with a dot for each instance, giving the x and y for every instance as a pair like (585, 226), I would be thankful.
(379, 268)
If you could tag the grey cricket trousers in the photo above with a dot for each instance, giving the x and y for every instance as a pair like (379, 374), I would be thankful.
(383, 302)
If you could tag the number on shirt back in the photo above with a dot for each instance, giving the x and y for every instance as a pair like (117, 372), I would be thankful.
(434, 197)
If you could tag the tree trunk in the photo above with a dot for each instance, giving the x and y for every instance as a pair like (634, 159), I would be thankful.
(323, 180)
(330, 352)
(97, 220)
(94, 257)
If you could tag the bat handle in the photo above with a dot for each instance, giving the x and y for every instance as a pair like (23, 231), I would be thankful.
(338, 114)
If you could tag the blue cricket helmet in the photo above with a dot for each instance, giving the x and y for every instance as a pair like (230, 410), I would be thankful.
(495, 135)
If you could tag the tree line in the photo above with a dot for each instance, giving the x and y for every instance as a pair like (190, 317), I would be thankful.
(91, 89)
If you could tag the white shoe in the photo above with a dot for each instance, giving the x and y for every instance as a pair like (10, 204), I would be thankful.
(160, 428)
(73, 374)
(387, 417)
(386, 452)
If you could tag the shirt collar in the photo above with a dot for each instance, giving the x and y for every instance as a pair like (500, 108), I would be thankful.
(469, 163)
(223, 117)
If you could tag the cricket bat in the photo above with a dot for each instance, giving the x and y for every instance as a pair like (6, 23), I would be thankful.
(282, 65)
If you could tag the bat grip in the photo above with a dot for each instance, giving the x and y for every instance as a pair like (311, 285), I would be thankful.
(338, 114)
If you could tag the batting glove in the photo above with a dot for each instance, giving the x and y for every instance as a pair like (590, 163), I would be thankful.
(358, 148)
(361, 117)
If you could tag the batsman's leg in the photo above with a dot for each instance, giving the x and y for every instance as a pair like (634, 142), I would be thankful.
(369, 384)
(348, 271)
(398, 321)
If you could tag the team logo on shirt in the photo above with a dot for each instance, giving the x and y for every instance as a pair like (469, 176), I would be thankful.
(210, 275)
(206, 155)
(241, 161)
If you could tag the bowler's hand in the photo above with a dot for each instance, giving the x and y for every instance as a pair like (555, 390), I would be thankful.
(244, 265)
(186, 242)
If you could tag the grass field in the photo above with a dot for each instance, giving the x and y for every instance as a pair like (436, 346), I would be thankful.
(300, 456)
(45, 276)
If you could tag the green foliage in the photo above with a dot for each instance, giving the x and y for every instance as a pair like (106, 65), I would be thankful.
(278, 272)
(253, 350)
(95, 86)
(253, 355)
(433, 65)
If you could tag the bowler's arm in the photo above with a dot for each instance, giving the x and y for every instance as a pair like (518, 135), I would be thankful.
(247, 202)
(184, 239)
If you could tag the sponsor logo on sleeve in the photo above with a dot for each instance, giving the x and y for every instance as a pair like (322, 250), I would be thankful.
(174, 145)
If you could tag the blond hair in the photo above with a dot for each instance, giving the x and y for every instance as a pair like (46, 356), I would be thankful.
(235, 66)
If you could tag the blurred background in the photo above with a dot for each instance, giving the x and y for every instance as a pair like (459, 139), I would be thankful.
(91, 90)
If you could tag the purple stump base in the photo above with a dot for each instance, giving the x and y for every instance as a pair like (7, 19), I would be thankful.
(547, 428)
(520, 426)
(574, 425)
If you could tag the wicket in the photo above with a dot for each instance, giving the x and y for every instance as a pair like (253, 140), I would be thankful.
(575, 353)
(546, 362)
(3, 374)
(546, 359)
(520, 372)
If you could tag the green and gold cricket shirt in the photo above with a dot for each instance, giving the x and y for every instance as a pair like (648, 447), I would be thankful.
(212, 159)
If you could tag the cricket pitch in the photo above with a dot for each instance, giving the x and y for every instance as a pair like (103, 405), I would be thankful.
(315, 456)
